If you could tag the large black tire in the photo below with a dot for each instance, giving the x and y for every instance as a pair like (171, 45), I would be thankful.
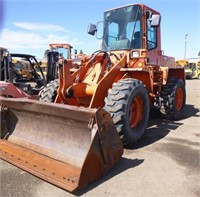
(49, 93)
(173, 98)
(128, 104)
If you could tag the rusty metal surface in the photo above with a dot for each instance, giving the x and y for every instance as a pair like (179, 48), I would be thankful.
(56, 172)
(79, 144)
(38, 107)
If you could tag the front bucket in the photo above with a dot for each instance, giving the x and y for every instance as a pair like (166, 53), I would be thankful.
(65, 145)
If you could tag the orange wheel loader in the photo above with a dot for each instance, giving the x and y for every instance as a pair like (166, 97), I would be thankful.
(103, 104)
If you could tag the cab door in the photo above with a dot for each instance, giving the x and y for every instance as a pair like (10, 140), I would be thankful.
(153, 46)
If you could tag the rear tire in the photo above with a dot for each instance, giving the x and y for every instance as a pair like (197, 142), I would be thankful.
(173, 97)
(49, 93)
(128, 104)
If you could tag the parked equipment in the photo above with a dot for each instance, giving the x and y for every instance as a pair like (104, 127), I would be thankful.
(19, 77)
(77, 142)
(58, 52)
(186, 66)
(64, 49)
(194, 64)
(191, 66)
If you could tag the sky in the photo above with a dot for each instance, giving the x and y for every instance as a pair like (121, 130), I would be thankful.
(29, 26)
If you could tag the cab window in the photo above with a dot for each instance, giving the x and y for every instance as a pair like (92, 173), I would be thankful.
(151, 36)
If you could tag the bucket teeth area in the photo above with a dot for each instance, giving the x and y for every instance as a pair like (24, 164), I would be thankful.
(51, 170)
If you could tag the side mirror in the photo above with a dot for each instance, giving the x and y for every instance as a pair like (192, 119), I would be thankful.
(92, 29)
(155, 20)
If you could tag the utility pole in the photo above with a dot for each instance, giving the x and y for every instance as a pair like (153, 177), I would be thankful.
(186, 35)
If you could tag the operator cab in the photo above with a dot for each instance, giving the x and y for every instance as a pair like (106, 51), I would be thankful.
(124, 28)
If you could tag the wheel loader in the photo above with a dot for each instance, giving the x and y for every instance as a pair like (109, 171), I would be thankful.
(87, 115)
(58, 52)
(64, 49)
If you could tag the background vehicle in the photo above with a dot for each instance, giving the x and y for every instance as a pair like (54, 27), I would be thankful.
(194, 64)
(64, 49)
(127, 77)
(51, 57)
(186, 66)
(192, 67)
(58, 52)
(4, 57)
(18, 75)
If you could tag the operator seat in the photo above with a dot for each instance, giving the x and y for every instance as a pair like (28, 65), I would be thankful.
(136, 42)
(122, 43)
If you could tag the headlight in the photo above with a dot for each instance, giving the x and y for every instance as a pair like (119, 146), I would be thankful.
(135, 54)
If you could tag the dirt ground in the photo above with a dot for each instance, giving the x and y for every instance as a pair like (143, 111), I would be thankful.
(164, 163)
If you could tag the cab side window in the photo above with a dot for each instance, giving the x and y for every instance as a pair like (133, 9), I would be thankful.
(151, 38)
(151, 35)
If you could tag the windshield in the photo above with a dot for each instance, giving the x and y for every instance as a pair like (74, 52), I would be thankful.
(63, 52)
(122, 28)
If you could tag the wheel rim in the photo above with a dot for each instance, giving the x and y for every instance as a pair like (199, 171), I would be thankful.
(136, 109)
(179, 99)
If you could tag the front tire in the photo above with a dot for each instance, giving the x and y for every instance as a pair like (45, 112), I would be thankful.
(128, 104)
(49, 93)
